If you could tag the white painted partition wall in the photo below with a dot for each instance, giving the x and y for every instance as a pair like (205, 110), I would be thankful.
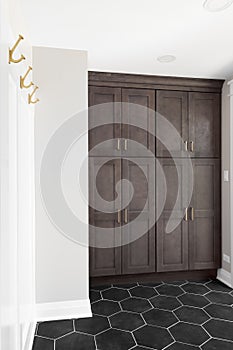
(225, 274)
(62, 273)
(230, 83)
(17, 287)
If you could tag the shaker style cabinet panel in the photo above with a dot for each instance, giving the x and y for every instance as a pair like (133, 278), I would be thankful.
(137, 203)
(138, 122)
(172, 238)
(172, 105)
(139, 255)
(104, 261)
(104, 108)
(129, 114)
(204, 226)
(195, 243)
(205, 124)
(197, 118)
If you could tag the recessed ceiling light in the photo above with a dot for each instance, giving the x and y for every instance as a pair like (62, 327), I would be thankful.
(167, 58)
(217, 5)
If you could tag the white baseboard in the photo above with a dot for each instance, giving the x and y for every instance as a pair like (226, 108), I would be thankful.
(30, 336)
(63, 310)
(225, 277)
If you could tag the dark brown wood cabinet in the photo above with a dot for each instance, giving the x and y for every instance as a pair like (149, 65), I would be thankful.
(204, 226)
(127, 114)
(187, 238)
(138, 121)
(172, 246)
(173, 105)
(104, 174)
(193, 244)
(205, 124)
(107, 102)
(197, 118)
(139, 256)
(135, 257)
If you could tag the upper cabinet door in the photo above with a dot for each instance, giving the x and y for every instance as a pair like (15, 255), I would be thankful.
(138, 122)
(205, 124)
(172, 105)
(105, 111)
(204, 224)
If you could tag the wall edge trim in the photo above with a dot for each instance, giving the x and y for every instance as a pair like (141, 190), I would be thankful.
(224, 277)
(63, 310)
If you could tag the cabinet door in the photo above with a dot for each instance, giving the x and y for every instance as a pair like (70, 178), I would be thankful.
(172, 247)
(104, 261)
(173, 105)
(138, 118)
(104, 106)
(139, 255)
(205, 124)
(204, 230)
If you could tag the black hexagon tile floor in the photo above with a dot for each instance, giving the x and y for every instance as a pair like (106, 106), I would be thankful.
(176, 315)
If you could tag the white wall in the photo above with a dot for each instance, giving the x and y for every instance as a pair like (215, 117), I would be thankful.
(224, 274)
(62, 273)
(226, 238)
(17, 298)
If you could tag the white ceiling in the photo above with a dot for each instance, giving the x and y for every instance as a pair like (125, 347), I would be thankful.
(129, 35)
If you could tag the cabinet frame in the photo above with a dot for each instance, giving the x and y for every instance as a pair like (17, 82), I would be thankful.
(191, 87)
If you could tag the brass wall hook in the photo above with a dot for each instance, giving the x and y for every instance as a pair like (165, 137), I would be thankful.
(22, 80)
(11, 52)
(31, 95)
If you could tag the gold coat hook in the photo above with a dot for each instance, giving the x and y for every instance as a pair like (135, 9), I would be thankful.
(22, 80)
(31, 95)
(11, 52)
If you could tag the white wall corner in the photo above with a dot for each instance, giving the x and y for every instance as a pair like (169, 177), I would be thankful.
(225, 277)
(63, 310)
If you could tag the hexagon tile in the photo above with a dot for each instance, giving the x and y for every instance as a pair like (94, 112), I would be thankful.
(179, 315)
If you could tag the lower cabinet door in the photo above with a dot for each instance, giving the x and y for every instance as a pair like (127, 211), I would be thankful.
(104, 228)
(138, 216)
(104, 261)
(172, 224)
(204, 224)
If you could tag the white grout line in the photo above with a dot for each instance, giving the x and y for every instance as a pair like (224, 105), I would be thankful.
(44, 337)
(95, 342)
(167, 346)
(205, 342)
(203, 308)
(223, 339)
(64, 335)
(197, 346)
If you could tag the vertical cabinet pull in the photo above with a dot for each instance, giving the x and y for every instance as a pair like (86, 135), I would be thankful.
(186, 214)
(191, 146)
(118, 144)
(126, 145)
(118, 216)
(126, 216)
(192, 214)
(186, 145)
